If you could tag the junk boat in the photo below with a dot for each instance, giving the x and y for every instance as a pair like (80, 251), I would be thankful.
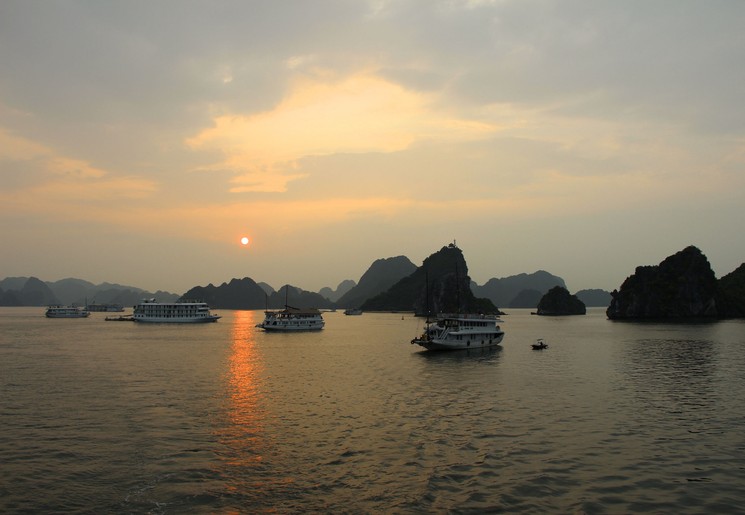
(181, 312)
(461, 331)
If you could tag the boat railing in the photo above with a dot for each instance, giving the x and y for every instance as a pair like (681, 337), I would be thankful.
(468, 316)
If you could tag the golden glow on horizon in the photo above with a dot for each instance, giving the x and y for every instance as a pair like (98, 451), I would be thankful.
(359, 107)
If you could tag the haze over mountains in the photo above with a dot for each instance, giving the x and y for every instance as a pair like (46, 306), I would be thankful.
(522, 290)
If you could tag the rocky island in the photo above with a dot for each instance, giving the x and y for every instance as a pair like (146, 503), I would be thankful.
(558, 302)
(683, 286)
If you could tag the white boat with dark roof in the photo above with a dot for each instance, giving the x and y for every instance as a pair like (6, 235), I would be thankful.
(292, 319)
(180, 312)
(66, 312)
(456, 331)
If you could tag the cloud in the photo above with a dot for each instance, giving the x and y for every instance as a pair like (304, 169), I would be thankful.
(322, 115)
(58, 183)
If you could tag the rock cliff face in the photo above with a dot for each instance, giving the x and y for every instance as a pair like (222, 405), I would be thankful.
(682, 286)
(731, 299)
(558, 301)
(381, 275)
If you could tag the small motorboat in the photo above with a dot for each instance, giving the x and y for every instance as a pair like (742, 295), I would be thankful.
(539, 344)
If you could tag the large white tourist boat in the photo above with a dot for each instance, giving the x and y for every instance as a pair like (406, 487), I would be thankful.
(292, 319)
(66, 312)
(182, 312)
(461, 331)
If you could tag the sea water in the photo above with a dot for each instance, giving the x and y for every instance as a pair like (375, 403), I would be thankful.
(118, 417)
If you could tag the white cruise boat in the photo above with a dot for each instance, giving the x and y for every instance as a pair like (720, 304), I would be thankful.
(461, 331)
(66, 312)
(292, 319)
(182, 312)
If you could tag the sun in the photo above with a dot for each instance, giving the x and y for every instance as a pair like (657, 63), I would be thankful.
(244, 241)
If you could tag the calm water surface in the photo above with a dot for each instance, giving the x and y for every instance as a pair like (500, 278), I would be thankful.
(100, 417)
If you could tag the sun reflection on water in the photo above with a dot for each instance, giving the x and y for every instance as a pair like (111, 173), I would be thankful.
(243, 433)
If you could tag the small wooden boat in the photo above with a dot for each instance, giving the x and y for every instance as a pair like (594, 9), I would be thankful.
(539, 344)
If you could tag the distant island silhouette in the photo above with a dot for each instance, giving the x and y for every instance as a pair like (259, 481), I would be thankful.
(681, 286)
(522, 290)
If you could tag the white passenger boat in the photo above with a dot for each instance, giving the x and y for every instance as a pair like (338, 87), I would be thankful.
(461, 331)
(292, 319)
(182, 312)
(66, 312)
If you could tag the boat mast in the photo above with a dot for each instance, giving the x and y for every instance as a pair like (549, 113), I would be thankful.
(457, 287)
(426, 293)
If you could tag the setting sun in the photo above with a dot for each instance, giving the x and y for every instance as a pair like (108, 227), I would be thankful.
(244, 241)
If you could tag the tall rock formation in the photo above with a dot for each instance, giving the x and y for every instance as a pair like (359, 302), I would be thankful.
(381, 275)
(440, 285)
(682, 286)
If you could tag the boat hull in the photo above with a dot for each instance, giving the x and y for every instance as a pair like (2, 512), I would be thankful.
(203, 320)
(288, 329)
(474, 343)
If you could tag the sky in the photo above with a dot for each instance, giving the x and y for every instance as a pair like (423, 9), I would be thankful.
(141, 140)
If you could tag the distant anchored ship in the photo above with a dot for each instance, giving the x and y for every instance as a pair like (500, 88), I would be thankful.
(183, 312)
(107, 308)
(66, 312)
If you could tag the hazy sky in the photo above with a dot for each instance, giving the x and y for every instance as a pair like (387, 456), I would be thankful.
(140, 140)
